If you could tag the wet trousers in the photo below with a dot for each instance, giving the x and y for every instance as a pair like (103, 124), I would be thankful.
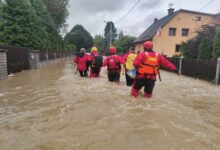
(94, 72)
(148, 85)
(83, 73)
(129, 80)
(113, 76)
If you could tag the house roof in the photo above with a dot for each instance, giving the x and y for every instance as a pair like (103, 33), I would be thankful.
(152, 29)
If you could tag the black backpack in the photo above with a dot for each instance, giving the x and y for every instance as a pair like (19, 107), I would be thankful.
(98, 60)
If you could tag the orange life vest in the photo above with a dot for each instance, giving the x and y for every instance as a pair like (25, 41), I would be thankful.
(150, 65)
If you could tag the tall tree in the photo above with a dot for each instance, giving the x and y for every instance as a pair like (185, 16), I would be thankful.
(110, 32)
(58, 10)
(80, 37)
(216, 45)
(21, 25)
(120, 35)
(54, 40)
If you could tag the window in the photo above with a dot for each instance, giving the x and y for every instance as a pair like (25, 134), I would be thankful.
(177, 48)
(172, 31)
(185, 32)
(198, 18)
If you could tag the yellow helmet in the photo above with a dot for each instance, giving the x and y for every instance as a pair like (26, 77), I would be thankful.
(94, 49)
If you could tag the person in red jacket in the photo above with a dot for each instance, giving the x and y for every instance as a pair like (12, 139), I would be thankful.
(95, 61)
(81, 61)
(147, 64)
(113, 63)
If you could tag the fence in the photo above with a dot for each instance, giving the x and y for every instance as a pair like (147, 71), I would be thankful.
(17, 59)
(44, 56)
(198, 69)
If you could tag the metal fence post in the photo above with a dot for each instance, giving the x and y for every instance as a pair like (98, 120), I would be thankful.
(55, 54)
(180, 65)
(47, 56)
(33, 59)
(217, 71)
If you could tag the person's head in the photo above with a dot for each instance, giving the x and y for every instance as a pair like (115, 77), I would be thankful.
(82, 50)
(112, 50)
(148, 45)
(94, 49)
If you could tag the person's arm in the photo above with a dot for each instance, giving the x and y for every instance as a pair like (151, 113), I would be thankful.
(165, 63)
(105, 62)
(76, 59)
(120, 59)
(125, 57)
(139, 60)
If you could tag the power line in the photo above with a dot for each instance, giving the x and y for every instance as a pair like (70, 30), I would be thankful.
(206, 5)
(119, 20)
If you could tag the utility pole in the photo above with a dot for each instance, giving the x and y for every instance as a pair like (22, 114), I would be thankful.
(110, 32)
(110, 35)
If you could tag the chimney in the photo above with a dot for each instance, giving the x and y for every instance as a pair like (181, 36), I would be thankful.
(155, 20)
(170, 11)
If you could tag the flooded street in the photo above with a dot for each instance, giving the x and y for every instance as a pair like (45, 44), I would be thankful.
(53, 109)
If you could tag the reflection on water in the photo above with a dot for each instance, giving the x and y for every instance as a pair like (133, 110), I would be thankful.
(51, 108)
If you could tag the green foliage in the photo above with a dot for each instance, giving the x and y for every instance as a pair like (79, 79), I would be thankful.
(99, 42)
(29, 23)
(176, 56)
(185, 50)
(80, 37)
(190, 49)
(216, 45)
(205, 49)
(21, 26)
(124, 43)
(58, 10)
(110, 31)
(70, 48)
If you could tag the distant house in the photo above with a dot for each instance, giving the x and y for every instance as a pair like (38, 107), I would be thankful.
(170, 31)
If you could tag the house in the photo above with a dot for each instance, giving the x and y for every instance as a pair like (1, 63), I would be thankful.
(170, 31)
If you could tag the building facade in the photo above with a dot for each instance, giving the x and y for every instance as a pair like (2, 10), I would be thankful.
(170, 31)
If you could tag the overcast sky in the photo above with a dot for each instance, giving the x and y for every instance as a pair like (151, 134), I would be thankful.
(92, 13)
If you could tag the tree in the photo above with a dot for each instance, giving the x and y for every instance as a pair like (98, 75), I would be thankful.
(110, 32)
(185, 50)
(99, 42)
(80, 37)
(58, 10)
(28, 23)
(120, 35)
(53, 38)
(192, 50)
(124, 43)
(21, 25)
(205, 48)
(70, 48)
(216, 45)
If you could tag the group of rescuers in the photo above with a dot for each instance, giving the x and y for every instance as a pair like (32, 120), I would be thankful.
(146, 64)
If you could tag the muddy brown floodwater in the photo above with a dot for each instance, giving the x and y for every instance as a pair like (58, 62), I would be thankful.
(53, 109)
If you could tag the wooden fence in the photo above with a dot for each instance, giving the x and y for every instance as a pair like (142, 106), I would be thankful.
(198, 69)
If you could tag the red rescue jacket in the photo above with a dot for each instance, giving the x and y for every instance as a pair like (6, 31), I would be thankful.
(140, 60)
(113, 62)
(81, 62)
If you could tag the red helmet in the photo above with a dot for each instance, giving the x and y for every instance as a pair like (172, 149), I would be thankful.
(112, 50)
(148, 45)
